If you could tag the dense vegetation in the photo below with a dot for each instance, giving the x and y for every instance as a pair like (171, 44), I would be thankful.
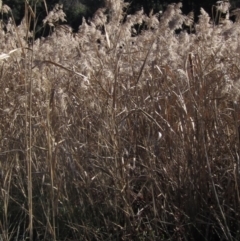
(106, 134)
(76, 9)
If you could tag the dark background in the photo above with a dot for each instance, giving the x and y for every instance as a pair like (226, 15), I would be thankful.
(76, 9)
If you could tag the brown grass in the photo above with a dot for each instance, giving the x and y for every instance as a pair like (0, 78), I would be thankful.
(111, 135)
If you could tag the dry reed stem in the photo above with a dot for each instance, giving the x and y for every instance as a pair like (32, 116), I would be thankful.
(107, 134)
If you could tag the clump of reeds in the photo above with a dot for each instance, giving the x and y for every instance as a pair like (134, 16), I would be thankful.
(113, 134)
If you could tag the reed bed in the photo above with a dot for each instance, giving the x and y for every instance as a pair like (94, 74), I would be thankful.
(117, 132)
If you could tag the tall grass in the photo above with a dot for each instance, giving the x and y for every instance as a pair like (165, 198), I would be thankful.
(113, 134)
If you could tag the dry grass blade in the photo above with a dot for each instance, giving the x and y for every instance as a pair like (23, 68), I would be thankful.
(144, 146)
(144, 62)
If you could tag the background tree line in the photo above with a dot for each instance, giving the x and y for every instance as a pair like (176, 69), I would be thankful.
(76, 9)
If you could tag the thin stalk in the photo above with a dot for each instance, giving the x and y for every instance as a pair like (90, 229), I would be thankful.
(51, 166)
(225, 230)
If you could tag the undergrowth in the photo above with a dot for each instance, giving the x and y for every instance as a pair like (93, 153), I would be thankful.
(113, 134)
